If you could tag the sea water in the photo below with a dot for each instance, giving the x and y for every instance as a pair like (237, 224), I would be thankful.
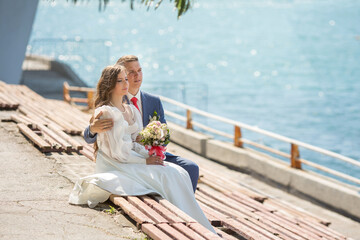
(287, 66)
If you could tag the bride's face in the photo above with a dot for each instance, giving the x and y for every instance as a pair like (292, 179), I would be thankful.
(122, 85)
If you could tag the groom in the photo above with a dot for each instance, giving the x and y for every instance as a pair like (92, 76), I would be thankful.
(147, 104)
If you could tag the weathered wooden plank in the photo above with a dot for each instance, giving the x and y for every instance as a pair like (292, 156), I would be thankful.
(67, 146)
(226, 187)
(215, 221)
(244, 230)
(172, 232)
(30, 115)
(242, 213)
(250, 202)
(188, 232)
(224, 235)
(88, 154)
(19, 119)
(312, 227)
(174, 209)
(278, 231)
(156, 217)
(67, 127)
(45, 147)
(154, 232)
(295, 210)
(203, 231)
(170, 216)
(55, 146)
(223, 198)
(295, 229)
(227, 215)
(131, 210)
(230, 185)
(75, 144)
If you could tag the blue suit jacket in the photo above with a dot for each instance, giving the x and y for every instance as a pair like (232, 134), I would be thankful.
(149, 103)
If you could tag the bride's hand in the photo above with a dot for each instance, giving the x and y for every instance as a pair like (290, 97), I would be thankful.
(154, 160)
(138, 140)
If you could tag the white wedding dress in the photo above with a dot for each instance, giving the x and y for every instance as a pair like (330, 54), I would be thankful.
(121, 169)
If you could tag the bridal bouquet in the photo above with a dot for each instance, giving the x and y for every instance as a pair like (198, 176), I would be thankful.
(154, 136)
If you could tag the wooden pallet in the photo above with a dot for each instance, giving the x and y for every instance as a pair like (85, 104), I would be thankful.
(161, 220)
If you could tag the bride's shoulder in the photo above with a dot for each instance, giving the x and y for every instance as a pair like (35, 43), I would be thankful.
(108, 112)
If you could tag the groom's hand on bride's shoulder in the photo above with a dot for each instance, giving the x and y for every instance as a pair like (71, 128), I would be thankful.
(98, 125)
(154, 160)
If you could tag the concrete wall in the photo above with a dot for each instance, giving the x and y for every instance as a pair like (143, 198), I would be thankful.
(16, 20)
(339, 196)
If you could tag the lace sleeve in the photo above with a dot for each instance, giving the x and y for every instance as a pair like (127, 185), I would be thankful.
(116, 143)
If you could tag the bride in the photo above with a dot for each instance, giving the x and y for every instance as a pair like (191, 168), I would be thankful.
(123, 167)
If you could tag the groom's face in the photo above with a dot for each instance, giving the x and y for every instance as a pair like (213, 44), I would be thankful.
(134, 75)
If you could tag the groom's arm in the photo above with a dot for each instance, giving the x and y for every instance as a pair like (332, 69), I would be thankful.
(88, 137)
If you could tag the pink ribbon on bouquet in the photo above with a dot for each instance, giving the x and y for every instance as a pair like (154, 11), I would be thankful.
(157, 150)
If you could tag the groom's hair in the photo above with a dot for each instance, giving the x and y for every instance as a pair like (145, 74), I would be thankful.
(126, 59)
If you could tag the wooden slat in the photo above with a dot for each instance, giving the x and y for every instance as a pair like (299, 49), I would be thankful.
(55, 146)
(30, 115)
(66, 126)
(295, 229)
(225, 185)
(154, 232)
(156, 217)
(224, 235)
(250, 202)
(45, 147)
(215, 221)
(227, 215)
(203, 231)
(67, 146)
(75, 144)
(314, 227)
(170, 216)
(188, 232)
(267, 225)
(19, 119)
(88, 154)
(244, 230)
(172, 232)
(294, 210)
(174, 209)
(131, 210)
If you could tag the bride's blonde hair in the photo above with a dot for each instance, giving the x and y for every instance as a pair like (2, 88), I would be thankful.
(105, 88)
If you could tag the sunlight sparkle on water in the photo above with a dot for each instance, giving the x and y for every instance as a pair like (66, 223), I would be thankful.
(257, 74)
(155, 65)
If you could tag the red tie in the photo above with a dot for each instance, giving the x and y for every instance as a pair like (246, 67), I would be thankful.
(134, 101)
